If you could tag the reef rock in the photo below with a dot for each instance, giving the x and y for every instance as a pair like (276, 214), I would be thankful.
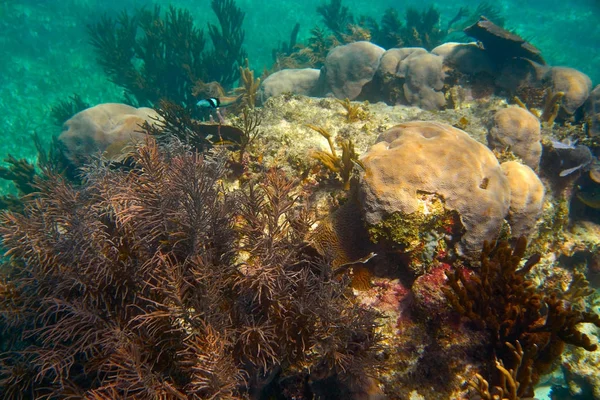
(417, 164)
(574, 84)
(297, 81)
(526, 198)
(95, 129)
(520, 131)
(520, 75)
(349, 67)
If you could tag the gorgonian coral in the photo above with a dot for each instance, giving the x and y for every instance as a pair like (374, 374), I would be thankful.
(157, 56)
(151, 280)
(498, 297)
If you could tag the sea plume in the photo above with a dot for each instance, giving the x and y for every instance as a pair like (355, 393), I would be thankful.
(153, 280)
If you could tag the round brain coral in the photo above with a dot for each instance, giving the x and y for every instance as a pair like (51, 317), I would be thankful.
(526, 198)
(520, 131)
(416, 158)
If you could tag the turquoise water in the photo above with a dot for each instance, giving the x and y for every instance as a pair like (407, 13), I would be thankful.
(47, 58)
(46, 55)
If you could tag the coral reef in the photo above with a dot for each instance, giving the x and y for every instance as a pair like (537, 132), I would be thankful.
(349, 67)
(423, 80)
(354, 112)
(466, 58)
(25, 175)
(575, 85)
(420, 28)
(592, 112)
(303, 81)
(501, 44)
(336, 17)
(249, 89)
(65, 109)
(343, 165)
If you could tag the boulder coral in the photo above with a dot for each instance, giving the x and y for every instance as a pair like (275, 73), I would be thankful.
(574, 84)
(526, 198)
(592, 112)
(423, 80)
(95, 129)
(302, 81)
(348, 68)
(417, 72)
(387, 77)
(419, 157)
(519, 130)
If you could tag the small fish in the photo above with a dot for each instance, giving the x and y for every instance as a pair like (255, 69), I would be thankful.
(560, 145)
(217, 102)
(578, 157)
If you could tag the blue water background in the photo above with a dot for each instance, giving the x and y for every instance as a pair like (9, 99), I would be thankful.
(46, 55)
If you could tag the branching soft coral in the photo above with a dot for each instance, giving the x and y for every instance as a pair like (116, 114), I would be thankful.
(155, 56)
(154, 281)
(24, 174)
(499, 298)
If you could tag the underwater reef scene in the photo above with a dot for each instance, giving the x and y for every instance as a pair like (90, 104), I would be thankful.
(226, 200)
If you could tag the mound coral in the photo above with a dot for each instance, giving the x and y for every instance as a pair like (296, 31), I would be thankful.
(95, 129)
(414, 163)
(575, 85)
(592, 112)
(348, 68)
(526, 198)
(423, 80)
(518, 130)
(298, 81)
(155, 282)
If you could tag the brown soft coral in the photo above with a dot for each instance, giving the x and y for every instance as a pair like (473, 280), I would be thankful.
(499, 298)
(153, 281)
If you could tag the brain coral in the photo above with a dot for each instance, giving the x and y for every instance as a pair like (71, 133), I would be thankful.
(94, 129)
(519, 130)
(348, 68)
(429, 157)
(526, 197)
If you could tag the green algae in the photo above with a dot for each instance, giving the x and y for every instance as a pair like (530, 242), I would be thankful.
(422, 233)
